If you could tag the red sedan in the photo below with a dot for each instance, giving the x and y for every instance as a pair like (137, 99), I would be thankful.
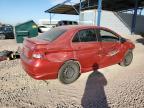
(67, 51)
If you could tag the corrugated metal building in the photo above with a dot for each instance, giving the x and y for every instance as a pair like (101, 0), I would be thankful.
(113, 15)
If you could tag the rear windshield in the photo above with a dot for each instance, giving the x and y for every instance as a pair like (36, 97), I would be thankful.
(52, 34)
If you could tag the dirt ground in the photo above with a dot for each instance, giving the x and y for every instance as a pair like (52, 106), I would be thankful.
(111, 87)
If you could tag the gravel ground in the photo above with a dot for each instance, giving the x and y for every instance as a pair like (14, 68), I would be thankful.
(111, 87)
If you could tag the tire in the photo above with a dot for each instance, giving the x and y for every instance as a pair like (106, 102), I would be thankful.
(127, 59)
(69, 72)
(2, 36)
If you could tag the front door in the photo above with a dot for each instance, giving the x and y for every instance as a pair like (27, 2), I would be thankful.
(110, 47)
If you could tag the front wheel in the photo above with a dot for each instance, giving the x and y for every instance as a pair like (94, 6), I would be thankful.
(69, 72)
(127, 59)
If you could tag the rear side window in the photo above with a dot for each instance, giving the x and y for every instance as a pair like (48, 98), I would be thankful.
(88, 35)
(52, 34)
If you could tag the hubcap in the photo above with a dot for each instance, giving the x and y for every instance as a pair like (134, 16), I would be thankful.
(69, 72)
(128, 59)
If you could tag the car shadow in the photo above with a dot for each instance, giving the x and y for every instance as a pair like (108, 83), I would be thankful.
(94, 95)
(141, 40)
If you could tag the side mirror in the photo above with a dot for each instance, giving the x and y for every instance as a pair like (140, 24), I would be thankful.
(122, 40)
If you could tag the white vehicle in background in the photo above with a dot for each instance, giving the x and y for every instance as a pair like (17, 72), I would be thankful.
(45, 24)
(44, 28)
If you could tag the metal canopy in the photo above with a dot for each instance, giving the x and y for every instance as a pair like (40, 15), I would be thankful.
(63, 9)
(111, 5)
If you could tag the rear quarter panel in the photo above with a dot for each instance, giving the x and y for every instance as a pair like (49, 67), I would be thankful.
(59, 56)
(60, 49)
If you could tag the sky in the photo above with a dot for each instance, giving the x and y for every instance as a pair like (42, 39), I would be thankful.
(18, 11)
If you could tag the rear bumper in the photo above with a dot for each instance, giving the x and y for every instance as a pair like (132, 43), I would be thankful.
(40, 69)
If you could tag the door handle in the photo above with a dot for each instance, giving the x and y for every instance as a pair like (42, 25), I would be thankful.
(78, 48)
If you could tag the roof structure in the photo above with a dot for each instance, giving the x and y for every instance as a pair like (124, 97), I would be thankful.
(111, 5)
(63, 9)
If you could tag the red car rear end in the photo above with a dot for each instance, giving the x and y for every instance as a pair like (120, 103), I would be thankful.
(35, 58)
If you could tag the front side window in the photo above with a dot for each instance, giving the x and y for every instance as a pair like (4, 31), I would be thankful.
(88, 35)
(107, 36)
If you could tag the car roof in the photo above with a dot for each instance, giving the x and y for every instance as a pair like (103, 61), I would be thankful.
(74, 27)
(68, 27)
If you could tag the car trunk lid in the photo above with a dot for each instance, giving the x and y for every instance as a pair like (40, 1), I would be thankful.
(31, 45)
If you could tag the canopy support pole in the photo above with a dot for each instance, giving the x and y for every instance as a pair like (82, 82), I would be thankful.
(134, 17)
(99, 12)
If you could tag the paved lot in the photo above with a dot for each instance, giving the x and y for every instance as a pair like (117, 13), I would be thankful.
(115, 86)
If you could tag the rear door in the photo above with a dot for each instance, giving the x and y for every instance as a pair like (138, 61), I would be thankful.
(110, 47)
(86, 48)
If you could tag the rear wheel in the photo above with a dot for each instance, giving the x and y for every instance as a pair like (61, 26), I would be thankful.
(69, 72)
(127, 59)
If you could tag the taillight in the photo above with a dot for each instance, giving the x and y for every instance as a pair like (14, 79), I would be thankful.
(38, 54)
